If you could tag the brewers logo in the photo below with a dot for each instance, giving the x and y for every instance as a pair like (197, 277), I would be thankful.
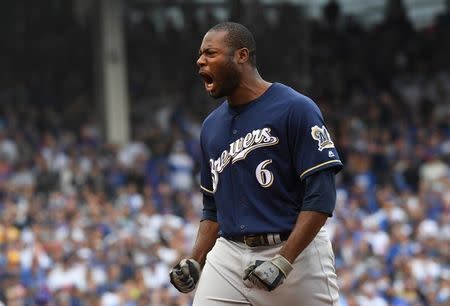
(322, 136)
(239, 149)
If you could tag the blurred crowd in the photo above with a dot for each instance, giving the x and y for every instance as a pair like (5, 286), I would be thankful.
(84, 222)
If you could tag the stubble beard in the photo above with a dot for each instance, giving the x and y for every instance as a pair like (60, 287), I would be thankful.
(230, 81)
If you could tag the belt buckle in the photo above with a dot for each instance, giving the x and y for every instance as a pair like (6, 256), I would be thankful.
(252, 240)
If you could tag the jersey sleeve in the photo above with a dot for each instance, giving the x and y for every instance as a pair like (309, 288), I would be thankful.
(206, 184)
(311, 144)
(209, 211)
(209, 206)
(320, 192)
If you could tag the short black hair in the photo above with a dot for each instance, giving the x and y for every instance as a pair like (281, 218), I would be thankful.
(238, 36)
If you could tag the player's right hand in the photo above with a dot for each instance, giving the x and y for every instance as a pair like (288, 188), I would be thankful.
(184, 276)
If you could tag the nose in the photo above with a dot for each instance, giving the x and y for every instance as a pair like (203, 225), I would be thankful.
(201, 61)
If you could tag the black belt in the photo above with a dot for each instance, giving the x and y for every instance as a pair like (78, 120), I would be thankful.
(254, 240)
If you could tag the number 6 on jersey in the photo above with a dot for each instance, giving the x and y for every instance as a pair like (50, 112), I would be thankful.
(264, 176)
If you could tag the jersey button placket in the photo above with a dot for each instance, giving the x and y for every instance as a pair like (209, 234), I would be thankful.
(234, 131)
(235, 174)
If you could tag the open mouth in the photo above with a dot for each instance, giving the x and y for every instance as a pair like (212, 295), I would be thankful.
(208, 79)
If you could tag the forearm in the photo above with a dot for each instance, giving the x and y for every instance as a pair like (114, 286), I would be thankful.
(318, 204)
(206, 238)
(185, 275)
(306, 228)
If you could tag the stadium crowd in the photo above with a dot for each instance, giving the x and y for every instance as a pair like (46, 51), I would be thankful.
(86, 222)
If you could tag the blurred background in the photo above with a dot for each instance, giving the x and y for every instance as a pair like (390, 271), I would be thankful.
(100, 113)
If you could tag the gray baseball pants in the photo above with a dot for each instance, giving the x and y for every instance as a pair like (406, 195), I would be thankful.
(313, 281)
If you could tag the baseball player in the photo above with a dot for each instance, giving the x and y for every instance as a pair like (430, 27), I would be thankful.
(268, 166)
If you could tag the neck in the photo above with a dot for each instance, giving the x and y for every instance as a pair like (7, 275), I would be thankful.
(251, 87)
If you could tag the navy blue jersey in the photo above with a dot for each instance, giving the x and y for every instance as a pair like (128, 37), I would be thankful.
(256, 157)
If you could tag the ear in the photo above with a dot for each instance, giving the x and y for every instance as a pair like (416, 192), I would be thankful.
(243, 55)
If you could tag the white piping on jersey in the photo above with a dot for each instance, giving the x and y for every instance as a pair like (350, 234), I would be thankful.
(320, 165)
(206, 189)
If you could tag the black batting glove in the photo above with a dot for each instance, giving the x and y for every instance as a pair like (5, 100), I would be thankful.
(184, 276)
(268, 275)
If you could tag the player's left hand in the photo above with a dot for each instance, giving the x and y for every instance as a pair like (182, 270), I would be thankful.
(269, 274)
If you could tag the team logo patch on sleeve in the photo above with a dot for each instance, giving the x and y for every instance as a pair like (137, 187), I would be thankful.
(322, 136)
